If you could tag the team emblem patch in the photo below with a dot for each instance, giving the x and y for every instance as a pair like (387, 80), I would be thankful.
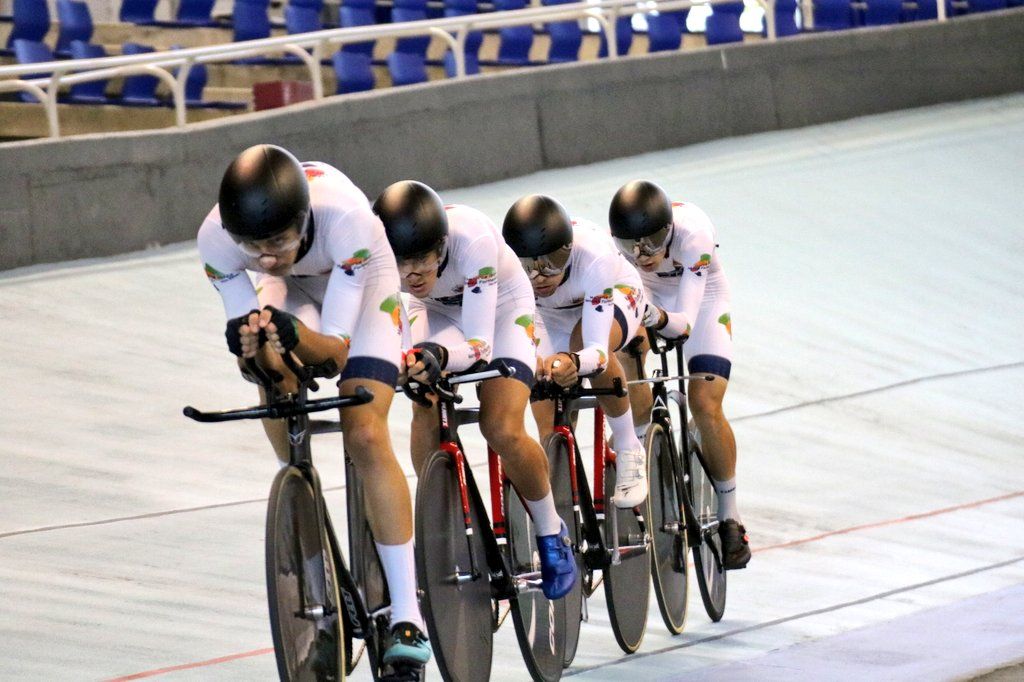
(358, 260)
(701, 265)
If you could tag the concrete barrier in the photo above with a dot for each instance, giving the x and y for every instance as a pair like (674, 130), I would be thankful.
(106, 194)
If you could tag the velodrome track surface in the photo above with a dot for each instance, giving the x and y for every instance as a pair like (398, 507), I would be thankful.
(877, 397)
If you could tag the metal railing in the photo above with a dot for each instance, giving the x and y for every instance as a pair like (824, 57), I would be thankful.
(173, 67)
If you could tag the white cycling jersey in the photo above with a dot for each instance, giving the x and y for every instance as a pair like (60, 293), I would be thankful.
(691, 287)
(480, 282)
(345, 285)
(597, 280)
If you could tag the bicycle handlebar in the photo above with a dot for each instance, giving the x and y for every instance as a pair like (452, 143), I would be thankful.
(281, 410)
(442, 387)
(549, 390)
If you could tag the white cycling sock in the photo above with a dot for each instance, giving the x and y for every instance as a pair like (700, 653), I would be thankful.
(545, 518)
(641, 431)
(623, 436)
(400, 571)
(727, 500)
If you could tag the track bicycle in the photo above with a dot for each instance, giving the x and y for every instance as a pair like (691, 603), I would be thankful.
(468, 564)
(613, 541)
(319, 607)
(682, 499)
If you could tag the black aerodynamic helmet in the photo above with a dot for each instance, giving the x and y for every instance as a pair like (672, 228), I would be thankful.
(639, 209)
(264, 192)
(537, 225)
(414, 218)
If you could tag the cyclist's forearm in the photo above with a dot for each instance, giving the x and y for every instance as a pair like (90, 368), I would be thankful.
(315, 348)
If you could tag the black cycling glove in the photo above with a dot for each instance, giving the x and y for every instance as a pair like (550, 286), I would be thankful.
(287, 327)
(434, 358)
(234, 338)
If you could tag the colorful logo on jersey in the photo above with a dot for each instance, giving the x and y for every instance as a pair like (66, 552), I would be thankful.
(602, 359)
(313, 173)
(484, 277)
(632, 294)
(478, 348)
(346, 339)
(392, 305)
(726, 320)
(216, 276)
(526, 322)
(677, 204)
(599, 300)
(358, 260)
(212, 272)
(703, 264)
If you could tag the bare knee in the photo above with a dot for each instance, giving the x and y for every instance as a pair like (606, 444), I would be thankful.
(367, 442)
(705, 407)
(503, 434)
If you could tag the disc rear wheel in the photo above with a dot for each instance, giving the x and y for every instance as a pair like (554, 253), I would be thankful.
(540, 624)
(367, 570)
(627, 584)
(456, 601)
(707, 553)
(669, 564)
(302, 585)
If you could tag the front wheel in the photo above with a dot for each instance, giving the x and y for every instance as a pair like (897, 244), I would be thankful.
(669, 564)
(302, 585)
(456, 588)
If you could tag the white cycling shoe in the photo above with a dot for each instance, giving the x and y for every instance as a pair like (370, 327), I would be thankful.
(630, 478)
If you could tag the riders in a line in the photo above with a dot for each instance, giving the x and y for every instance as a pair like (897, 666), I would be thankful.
(326, 288)
(471, 306)
(674, 246)
(590, 303)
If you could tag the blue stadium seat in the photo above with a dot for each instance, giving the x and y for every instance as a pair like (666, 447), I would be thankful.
(353, 63)
(354, 71)
(300, 19)
(75, 24)
(196, 13)
(139, 90)
(785, 18)
(883, 12)
(623, 37)
(92, 92)
(31, 21)
(833, 15)
(251, 20)
(926, 9)
(514, 48)
(458, 8)
(407, 63)
(32, 52)
(663, 33)
(985, 5)
(566, 37)
(138, 11)
(723, 25)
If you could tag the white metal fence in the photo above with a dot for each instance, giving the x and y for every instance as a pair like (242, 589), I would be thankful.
(173, 67)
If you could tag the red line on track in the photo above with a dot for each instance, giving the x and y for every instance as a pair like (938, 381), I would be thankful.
(781, 545)
(189, 666)
(891, 522)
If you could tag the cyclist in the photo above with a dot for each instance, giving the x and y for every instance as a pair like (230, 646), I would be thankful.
(471, 302)
(590, 302)
(674, 247)
(326, 288)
